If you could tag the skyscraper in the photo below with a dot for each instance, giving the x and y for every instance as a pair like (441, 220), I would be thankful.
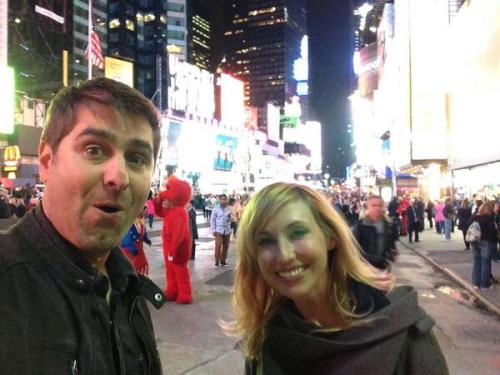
(176, 28)
(262, 40)
(138, 33)
(199, 38)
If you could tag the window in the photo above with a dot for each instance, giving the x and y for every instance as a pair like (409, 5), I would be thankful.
(129, 24)
(175, 7)
(148, 17)
(114, 23)
(175, 34)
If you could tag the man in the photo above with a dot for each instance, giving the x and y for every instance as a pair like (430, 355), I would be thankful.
(220, 226)
(415, 219)
(376, 234)
(71, 303)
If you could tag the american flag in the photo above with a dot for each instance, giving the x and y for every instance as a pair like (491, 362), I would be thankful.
(95, 51)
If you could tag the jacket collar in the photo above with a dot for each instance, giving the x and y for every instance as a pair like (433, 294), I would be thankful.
(65, 261)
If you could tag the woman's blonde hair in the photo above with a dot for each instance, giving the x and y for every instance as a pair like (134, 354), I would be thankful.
(254, 300)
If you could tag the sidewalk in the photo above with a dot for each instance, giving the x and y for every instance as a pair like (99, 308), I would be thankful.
(189, 339)
(452, 258)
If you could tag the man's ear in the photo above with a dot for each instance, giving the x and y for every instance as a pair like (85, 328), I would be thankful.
(45, 156)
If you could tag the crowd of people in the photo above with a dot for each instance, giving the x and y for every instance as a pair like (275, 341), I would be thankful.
(313, 288)
(16, 201)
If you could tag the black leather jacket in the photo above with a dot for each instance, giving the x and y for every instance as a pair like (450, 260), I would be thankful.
(54, 317)
(366, 234)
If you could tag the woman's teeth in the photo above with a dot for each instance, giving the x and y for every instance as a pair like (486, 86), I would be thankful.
(288, 274)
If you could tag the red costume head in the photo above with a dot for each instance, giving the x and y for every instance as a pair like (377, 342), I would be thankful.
(177, 191)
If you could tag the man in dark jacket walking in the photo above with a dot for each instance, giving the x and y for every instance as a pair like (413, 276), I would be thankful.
(71, 303)
(376, 234)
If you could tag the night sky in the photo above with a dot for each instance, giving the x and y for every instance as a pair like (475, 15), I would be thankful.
(331, 46)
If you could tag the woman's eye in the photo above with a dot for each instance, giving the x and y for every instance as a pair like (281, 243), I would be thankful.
(298, 233)
(94, 151)
(265, 242)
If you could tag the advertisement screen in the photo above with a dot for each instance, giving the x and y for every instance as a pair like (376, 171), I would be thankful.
(225, 150)
(119, 70)
(429, 128)
(171, 152)
(273, 122)
(7, 100)
(232, 101)
(191, 89)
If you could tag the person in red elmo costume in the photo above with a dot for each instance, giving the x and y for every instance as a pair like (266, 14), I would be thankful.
(171, 206)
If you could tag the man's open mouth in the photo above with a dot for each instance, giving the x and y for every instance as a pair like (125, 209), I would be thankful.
(109, 209)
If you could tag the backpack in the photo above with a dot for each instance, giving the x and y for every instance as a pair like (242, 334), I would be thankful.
(473, 233)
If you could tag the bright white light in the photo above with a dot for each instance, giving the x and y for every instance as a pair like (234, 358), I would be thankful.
(364, 9)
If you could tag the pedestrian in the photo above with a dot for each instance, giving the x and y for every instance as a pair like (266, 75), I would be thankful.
(464, 214)
(306, 302)
(439, 215)
(415, 220)
(376, 234)
(449, 216)
(209, 207)
(483, 249)
(150, 209)
(193, 228)
(70, 300)
(220, 226)
(429, 209)
(236, 210)
(132, 244)
(402, 210)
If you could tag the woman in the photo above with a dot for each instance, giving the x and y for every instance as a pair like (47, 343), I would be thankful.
(484, 248)
(150, 209)
(449, 216)
(439, 217)
(306, 302)
(464, 214)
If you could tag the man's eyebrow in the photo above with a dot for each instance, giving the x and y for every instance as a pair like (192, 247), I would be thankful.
(139, 143)
(104, 134)
(99, 133)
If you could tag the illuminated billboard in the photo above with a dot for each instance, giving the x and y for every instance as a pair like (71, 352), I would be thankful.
(232, 101)
(225, 149)
(191, 89)
(119, 70)
(273, 122)
(301, 68)
(7, 100)
(429, 23)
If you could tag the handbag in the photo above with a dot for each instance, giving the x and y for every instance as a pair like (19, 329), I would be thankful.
(473, 232)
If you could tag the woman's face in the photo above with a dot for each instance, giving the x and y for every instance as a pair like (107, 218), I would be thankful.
(293, 254)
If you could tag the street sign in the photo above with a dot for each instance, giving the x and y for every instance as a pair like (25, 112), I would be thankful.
(50, 14)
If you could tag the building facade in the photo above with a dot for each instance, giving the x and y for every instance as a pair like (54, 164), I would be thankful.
(199, 34)
(262, 41)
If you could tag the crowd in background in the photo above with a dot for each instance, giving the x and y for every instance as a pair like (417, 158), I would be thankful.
(17, 201)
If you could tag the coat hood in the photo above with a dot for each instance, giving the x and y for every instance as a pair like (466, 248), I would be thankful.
(297, 347)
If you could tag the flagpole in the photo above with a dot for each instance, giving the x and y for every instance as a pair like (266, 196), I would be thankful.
(89, 60)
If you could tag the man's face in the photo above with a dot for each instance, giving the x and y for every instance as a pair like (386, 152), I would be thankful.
(223, 201)
(98, 179)
(374, 209)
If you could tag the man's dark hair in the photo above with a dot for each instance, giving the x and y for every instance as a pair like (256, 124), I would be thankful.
(63, 111)
(222, 196)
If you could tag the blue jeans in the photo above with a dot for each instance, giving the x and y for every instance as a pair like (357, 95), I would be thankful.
(481, 270)
(447, 228)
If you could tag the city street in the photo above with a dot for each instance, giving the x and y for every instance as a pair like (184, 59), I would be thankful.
(191, 342)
